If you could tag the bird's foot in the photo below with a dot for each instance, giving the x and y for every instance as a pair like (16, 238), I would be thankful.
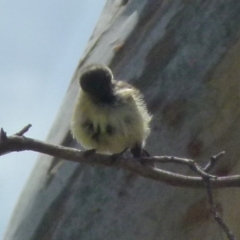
(116, 156)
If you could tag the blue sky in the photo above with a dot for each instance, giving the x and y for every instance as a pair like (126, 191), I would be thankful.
(41, 42)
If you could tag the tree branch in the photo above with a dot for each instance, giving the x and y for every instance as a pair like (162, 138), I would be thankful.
(21, 143)
(18, 142)
(215, 212)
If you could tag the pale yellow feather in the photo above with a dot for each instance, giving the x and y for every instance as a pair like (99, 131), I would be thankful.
(130, 121)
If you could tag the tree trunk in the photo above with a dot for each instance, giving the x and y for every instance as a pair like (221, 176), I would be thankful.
(184, 56)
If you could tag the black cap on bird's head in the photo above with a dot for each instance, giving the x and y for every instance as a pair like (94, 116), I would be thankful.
(96, 80)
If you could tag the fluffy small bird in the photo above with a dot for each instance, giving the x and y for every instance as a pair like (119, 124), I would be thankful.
(110, 116)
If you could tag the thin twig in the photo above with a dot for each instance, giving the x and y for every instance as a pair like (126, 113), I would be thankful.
(3, 136)
(183, 161)
(212, 162)
(207, 178)
(24, 130)
(197, 169)
(215, 212)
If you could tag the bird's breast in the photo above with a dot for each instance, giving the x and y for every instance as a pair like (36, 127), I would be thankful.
(108, 128)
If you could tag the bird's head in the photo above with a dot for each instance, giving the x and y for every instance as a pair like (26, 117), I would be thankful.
(96, 80)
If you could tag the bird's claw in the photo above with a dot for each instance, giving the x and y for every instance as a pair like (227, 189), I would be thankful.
(116, 156)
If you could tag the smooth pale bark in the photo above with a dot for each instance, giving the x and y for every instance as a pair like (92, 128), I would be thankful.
(184, 56)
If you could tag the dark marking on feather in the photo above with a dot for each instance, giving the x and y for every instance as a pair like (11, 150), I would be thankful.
(88, 126)
(110, 130)
(96, 134)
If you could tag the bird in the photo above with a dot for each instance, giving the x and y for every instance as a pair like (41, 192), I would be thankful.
(110, 116)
